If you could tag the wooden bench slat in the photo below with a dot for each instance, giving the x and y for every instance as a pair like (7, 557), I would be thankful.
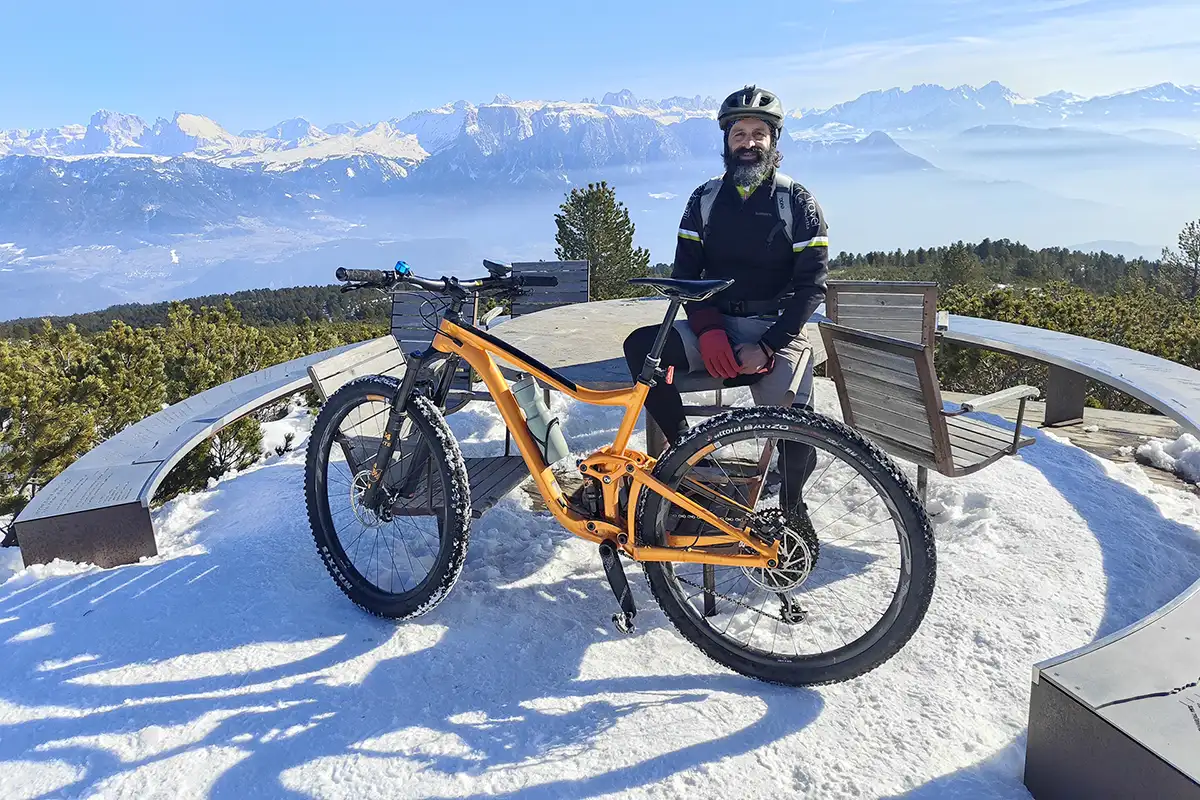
(887, 400)
(902, 372)
(490, 478)
(980, 430)
(965, 443)
(894, 361)
(905, 416)
(865, 383)
(896, 329)
(847, 308)
(876, 428)
(970, 440)
(964, 459)
(880, 300)
(501, 478)
(881, 326)
(878, 373)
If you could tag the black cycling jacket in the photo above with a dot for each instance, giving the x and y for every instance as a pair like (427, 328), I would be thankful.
(746, 241)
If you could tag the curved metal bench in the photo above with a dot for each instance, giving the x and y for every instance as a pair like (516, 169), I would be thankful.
(1119, 717)
(97, 510)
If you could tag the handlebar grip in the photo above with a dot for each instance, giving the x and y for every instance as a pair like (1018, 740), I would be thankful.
(379, 276)
(539, 280)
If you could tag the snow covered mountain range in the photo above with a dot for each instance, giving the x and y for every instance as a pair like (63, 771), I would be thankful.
(121, 173)
(646, 129)
(122, 209)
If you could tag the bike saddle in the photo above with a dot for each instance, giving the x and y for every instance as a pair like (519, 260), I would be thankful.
(684, 290)
(497, 269)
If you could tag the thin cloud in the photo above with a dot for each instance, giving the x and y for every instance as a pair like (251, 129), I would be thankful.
(1095, 53)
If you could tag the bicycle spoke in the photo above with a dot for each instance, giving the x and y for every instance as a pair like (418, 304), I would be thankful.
(830, 589)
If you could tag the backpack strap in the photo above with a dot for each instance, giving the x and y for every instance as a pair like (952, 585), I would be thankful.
(783, 201)
(708, 197)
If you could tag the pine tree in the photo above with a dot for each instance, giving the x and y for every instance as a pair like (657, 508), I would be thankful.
(959, 266)
(594, 225)
(48, 403)
(131, 373)
(1182, 268)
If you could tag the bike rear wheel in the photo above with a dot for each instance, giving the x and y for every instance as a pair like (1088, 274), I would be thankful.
(857, 559)
(401, 560)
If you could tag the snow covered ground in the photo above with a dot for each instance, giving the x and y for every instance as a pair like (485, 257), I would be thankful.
(231, 666)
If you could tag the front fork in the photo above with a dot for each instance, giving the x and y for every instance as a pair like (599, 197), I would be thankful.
(374, 496)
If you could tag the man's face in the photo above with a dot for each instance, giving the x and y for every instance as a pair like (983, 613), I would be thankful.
(749, 140)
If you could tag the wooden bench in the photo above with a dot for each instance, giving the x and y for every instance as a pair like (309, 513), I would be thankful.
(490, 478)
(904, 310)
(889, 390)
(889, 308)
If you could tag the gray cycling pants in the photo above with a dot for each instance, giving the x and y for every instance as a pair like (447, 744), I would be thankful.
(792, 372)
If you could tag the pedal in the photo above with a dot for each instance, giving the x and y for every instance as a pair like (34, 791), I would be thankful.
(623, 622)
(613, 568)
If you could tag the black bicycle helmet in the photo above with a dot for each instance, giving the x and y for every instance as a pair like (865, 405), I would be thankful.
(751, 102)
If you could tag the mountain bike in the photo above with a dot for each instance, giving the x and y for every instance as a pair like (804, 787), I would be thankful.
(770, 589)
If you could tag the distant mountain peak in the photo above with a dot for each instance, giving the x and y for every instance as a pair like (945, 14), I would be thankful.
(1059, 98)
(624, 98)
(113, 132)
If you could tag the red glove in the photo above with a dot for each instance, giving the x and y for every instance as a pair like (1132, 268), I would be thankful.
(718, 355)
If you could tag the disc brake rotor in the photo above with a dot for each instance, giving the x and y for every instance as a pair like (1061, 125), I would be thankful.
(798, 550)
(367, 517)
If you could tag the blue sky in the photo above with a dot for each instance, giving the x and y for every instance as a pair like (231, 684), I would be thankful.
(250, 65)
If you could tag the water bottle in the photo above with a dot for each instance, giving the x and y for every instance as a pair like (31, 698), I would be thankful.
(546, 430)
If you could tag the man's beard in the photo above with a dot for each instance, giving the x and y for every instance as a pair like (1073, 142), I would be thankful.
(749, 171)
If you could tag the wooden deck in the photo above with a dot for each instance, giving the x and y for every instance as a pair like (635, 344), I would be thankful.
(1102, 432)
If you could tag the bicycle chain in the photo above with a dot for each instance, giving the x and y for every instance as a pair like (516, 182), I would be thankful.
(789, 601)
(775, 617)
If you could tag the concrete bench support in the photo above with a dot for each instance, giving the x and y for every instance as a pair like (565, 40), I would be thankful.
(1066, 392)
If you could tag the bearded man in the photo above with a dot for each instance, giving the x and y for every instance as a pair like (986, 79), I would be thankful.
(755, 225)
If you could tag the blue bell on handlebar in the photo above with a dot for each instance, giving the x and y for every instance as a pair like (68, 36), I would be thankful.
(402, 268)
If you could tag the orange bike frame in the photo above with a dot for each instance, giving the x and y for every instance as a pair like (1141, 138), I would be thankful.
(611, 466)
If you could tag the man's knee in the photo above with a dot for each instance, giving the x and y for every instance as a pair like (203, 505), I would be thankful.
(637, 346)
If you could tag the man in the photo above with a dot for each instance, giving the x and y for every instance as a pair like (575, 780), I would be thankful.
(734, 227)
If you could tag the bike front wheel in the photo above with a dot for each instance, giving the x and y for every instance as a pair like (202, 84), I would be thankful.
(856, 560)
(401, 558)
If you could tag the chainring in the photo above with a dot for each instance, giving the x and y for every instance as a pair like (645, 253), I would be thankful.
(798, 549)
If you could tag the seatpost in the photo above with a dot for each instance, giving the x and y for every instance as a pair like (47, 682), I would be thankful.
(654, 358)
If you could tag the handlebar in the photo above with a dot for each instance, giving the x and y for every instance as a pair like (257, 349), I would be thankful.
(387, 279)
(363, 275)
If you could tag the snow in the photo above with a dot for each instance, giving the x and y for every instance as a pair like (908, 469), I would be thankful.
(1181, 456)
(380, 139)
(174, 257)
(297, 422)
(231, 665)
